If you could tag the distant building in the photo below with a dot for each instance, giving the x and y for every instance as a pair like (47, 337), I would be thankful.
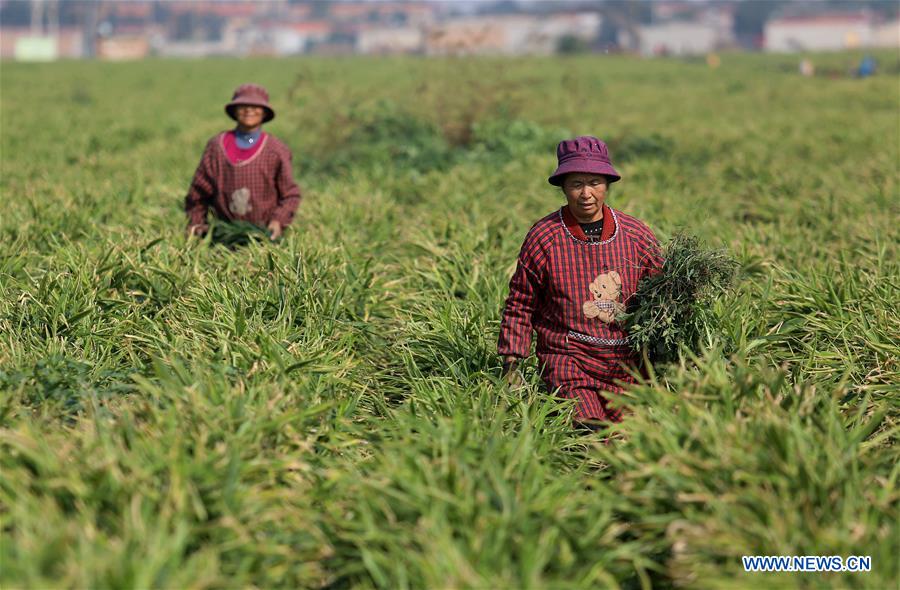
(584, 26)
(131, 29)
(465, 36)
(509, 35)
(682, 28)
(192, 49)
(295, 38)
(340, 41)
(384, 13)
(123, 47)
(828, 31)
(390, 40)
(227, 44)
(24, 44)
(665, 10)
(128, 11)
(677, 38)
(231, 9)
(721, 18)
(887, 34)
(299, 12)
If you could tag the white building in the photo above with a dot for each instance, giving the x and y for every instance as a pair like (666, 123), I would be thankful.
(677, 38)
(584, 26)
(294, 38)
(823, 32)
(23, 44)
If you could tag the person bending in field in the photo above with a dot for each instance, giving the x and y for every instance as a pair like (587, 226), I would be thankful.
(244, 174)
(576, 271)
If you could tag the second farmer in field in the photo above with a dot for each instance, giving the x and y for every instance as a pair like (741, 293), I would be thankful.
(576, 271)
(244, 173)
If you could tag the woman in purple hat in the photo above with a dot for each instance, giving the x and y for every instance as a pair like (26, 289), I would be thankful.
(244, 174)
(575, 273)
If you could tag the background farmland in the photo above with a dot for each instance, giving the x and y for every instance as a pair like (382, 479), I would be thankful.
(328, 413)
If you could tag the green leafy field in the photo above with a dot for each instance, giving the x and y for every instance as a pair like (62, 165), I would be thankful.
(328, 412)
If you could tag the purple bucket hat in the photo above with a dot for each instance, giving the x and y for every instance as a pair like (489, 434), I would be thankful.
(253, 95)
(584, 154)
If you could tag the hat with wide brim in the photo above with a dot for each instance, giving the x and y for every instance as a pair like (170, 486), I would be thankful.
(585, 154)
(252, 95)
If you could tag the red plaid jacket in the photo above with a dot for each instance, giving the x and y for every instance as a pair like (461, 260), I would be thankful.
(568, 289)
(259, 190)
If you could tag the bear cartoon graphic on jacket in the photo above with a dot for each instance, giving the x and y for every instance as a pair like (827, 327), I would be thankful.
(606, 290)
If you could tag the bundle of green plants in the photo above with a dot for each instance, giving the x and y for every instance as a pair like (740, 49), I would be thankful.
(232, 234)
(673, 308)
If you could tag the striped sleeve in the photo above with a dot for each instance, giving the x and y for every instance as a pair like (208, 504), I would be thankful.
(525, 290)
(288, 191)
(651, 253)
(200, 194)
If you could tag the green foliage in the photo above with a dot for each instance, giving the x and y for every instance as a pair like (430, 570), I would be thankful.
(232, 234)
(569, 44)
(499, 140)
(327, 412)
(673, 308)
(64, 384)
(386, 138)
(788, 464)
(641, 147)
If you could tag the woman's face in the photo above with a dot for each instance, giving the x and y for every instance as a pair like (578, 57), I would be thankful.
(248, 117)
(585, 194)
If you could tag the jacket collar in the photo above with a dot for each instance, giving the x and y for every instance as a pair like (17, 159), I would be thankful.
(609, 224)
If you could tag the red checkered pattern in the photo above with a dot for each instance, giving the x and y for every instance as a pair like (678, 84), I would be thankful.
(259, 190)
(582, 358)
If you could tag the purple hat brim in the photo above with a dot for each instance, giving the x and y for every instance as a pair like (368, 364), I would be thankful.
(270, 114)
(583, 166)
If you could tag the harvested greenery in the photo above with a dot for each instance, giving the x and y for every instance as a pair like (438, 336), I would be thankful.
(672, 309)
(233, 234)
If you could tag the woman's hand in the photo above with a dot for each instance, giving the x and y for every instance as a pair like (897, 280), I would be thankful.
(511, 373)
(197, 231)
(275, 230)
